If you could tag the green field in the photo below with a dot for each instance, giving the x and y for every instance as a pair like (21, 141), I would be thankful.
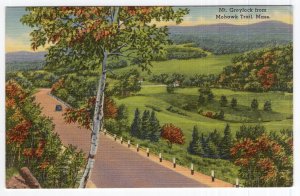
(212, 64)
(156, 97)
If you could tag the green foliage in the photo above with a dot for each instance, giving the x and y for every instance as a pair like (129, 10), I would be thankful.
(23, 66)
(233, 103)
(136, 124)
(206, 96)
(254, 104)
(226, 144)
(182, 52)
(155, 129)
(265, 160)
(31, 142)
(201, 100)
(146, 127)
(117, 64)
(195, 146)
(268, 106)
(251, 132)
(112, 32)
(223, 101)
(170, 88)
(261, 70)
(127, 83)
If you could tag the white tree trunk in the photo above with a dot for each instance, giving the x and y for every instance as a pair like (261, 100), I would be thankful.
(97, 125)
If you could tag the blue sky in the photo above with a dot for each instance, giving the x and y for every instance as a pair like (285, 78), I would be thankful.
(17, 35)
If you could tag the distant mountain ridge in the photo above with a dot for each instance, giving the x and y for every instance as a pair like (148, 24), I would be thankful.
(24, 56)
(228, 38)
(265, 31)
(265, 26)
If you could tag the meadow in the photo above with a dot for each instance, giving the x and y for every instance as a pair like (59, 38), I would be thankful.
(212, 64)
(156, 97)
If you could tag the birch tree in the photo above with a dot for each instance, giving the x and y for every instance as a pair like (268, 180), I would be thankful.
(86, 37)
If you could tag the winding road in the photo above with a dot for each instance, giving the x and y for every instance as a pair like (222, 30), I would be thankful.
(116, 165)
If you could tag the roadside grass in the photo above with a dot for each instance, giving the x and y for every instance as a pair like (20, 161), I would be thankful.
(10, 172)
(224, 169)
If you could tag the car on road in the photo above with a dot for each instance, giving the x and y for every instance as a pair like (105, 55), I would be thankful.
(58, 108)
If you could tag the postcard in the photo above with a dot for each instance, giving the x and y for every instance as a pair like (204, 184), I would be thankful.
(149, 96)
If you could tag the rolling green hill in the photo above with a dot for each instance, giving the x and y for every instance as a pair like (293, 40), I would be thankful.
(211, 64)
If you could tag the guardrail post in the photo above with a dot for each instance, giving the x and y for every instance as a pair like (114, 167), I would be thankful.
(115, 137)
(128, 143)
(192, 168)
(121, 139)
(237, 183)
(174, 162)
(137, 147)
(160, 157)
(212, 175)
(148, 152)
(104, 132)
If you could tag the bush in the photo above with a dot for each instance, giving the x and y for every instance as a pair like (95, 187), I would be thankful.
(254, 104)
(223, 101)
(268, 106)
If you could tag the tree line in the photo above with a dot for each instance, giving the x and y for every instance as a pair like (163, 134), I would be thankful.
(260, 70)
(265, 159)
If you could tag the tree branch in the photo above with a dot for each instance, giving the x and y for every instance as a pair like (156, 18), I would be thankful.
(120, 47)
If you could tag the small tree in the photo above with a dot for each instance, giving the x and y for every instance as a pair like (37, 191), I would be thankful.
(212, 150)
(172, 134)
(136, 124)
(195, 145)
(268, 106)
(146, 125)
(233, 103)
(122, 118)
(226, 144)
(155, 129)
(254, 104)
(210, 96)
(122, 113)
(201, 99)
(219, 115)
(223, 101)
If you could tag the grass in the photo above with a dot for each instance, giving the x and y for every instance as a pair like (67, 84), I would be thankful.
(212, 64)
(10, 172)
(156, 97)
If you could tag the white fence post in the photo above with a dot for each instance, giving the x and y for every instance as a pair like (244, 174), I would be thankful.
(237, 183)
(212, 175)
(121, 139)
(174, 162)
(115, 137)
(160, 157)
(192, 168)
(148, 152)
(128, 143)
(137, 147)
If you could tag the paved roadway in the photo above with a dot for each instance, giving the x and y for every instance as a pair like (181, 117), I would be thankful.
(116, 166)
